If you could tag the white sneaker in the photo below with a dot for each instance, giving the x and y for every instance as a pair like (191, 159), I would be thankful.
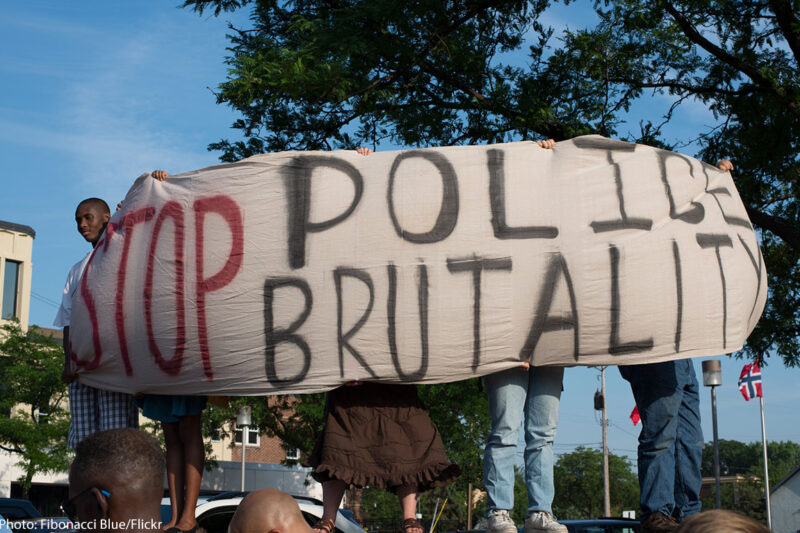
(500, 522)
(543, 521)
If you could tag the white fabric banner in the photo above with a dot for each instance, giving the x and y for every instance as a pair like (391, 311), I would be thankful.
(295, 272)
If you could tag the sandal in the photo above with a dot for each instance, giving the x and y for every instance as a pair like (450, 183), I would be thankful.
(410, 524)
(324, 525)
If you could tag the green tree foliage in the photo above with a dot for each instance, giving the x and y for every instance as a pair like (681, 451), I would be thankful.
(382, 512)
(461, 412)
(420, 72)
(747, 460)
(579, 484)
(318, 74)
(295, 420)
(33, 399)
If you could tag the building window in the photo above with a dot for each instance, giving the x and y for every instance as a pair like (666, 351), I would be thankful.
(10, 288)
(253, 436)
(216, 434)
(293, 454)
(42, 417)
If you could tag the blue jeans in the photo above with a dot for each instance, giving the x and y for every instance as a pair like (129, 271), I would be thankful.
(671, 441)
(513, 395)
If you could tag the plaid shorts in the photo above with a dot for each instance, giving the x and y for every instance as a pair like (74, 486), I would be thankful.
(92, 410)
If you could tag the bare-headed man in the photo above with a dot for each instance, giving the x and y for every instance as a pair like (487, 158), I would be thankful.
(91, 409)
(268, 511)
(116, 482)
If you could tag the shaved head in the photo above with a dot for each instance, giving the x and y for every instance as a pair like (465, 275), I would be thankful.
(120, 456)
(268, 510)
(95, 203)
(117, 474)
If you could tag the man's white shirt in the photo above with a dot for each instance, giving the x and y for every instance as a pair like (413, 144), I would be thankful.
(73, 282)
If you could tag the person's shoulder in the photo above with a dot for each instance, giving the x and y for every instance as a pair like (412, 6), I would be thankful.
(76, 271)
(80, 265)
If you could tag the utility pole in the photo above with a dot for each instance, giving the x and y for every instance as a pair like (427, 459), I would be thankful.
(469, 505)
(600, 405)
(606, 491)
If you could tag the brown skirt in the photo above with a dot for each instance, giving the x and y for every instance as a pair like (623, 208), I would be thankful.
(380, 435)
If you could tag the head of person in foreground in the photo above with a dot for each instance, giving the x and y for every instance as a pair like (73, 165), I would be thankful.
(116, 482)
(268, 511)
(719, 520)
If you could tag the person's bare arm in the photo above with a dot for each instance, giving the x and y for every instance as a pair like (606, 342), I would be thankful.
(725, 165)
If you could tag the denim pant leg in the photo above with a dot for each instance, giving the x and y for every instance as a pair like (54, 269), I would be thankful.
(506, 391)
(541, 421)
(658, 396)
(689, 452)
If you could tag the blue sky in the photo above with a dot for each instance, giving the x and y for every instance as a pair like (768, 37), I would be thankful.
(94, 93)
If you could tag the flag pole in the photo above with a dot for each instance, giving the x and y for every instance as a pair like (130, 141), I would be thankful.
(606, 490)
(766, 468)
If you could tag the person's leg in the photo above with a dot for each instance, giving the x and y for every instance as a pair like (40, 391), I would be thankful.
(541, 422)
(189, 429)
(689, 452)
(506, 391)
(658, 397)
(407, 494)
(332, 492)
(175, 471)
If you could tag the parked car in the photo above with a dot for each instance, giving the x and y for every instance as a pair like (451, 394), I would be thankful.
(215, 513)
(16, 509)
(4, 525)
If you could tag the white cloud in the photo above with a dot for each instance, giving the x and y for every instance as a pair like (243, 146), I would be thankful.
(138, 101)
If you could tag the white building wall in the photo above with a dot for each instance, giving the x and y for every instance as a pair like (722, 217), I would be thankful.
(785, 502)
(18, 246)
(10, 472)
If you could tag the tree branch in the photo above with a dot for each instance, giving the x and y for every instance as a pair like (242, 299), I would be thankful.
(780, 227)
(9, 449)
(711, 91)
(731, 60)
(778, 199)
(788, 23)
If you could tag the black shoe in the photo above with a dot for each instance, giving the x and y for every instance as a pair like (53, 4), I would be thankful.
(658, 523)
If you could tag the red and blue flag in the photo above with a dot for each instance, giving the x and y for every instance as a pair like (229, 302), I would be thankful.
(750, 381)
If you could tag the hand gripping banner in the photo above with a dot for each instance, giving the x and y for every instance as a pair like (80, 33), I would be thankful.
(295, 272)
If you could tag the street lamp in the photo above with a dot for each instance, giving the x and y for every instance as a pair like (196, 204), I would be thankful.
(243, 420)
(712, 377)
